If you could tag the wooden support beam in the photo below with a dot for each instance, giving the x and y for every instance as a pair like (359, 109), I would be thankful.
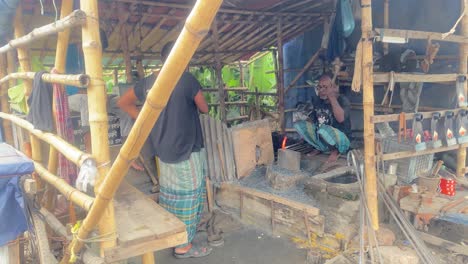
(412, 153)
(78, 80)
(219, 75)
(368, 102)
(77, 18)
(380, 78)
(279, 63)
(424, 35)
(5, 105)
(463, 69)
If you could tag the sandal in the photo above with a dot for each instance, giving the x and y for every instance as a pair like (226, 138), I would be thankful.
(195, 252)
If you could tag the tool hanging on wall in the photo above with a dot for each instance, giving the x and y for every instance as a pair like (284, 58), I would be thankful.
(462, 125)
(435, 124)
(418, 136)
(402, 127)
(461, 94)
(449, 136)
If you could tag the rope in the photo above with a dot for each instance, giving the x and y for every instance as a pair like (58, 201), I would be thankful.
(111, 236)
(452, 30)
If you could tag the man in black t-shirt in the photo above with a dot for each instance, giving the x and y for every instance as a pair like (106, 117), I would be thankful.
(328, 127)
(177, 141)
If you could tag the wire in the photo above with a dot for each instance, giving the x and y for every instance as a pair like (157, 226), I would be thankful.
(56, 12)
(42, 7)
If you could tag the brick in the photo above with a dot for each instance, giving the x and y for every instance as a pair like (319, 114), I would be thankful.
(289, 159)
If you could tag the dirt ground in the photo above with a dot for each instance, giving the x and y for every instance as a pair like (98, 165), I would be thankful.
(246, 246)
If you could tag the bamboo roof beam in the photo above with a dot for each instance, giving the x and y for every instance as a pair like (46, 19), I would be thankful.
(169, 35)
(304, 3)
(78, 80)
(145, 42)
(68, 150)
(424, 35)
(82, 200)
(76, 18)
(223, 10)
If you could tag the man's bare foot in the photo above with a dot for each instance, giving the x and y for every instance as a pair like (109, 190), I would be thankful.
(183, 250)
(333, 156)
(136, 166)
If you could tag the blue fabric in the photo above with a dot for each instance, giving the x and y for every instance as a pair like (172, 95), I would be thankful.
(74, 65)
(13, 163)
(13, 221)
(456, 218)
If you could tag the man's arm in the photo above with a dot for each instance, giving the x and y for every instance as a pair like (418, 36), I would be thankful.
(200, 102)
(127, 102)
(338, 111)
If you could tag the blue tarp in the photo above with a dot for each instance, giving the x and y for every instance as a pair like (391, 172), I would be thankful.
(12, 219)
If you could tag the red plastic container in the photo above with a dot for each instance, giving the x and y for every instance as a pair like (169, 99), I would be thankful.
(447, 186)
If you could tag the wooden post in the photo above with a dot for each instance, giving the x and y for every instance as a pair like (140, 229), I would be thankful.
(126, 54)
(463, 69)
(116, 77)
(257, 104)
(242, 95)
(11, 67)
(219, 74)
(386, 22)
(148, 258)
(368, 102)
(63, 39)
(280, 80)
(196, 26)
(7, 128)
(23, 52)
(97, 98)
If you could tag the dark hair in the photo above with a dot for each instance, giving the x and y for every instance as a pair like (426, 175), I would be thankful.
(166, 50)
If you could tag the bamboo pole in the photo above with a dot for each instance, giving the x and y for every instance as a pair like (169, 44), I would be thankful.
(126, 54)
(52, 166)
(82, 200)
(368, 102)
(68, 150)
(63, 38)
(77, 18)
(219, 75)
(197, 25)
(78, 80)
(23, 52)
(98, 122)
(11, 66)
(280, 77)
(463, 69)
(386, 19)
(7, 128)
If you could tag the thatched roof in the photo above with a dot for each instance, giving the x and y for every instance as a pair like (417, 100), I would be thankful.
(244, 26)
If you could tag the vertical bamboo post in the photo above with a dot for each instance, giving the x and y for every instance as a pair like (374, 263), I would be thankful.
(219, 74)
(368, 102)
(148, 258)
(11, 67)
(196, 27)
(7, 127)
(63, 39)
(242, 94)
(140, 68)
(97, 98)
(463, 69)
(280, 79)
(126, 54)
(386, 23)
(23, 52)
(257, 104)
(116, 77)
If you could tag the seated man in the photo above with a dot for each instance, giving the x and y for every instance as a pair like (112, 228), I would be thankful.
(328, 126)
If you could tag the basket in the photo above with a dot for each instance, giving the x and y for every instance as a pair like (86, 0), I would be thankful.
(408, 168)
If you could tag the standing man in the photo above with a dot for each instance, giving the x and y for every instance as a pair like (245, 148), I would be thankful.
(178, 143)
(328, 126)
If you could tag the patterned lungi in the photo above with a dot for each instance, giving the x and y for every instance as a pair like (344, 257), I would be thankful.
(323, 138)
(183, 190)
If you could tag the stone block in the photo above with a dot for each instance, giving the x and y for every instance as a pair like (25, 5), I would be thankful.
(397, 255)
(289, 159)
(283, 179)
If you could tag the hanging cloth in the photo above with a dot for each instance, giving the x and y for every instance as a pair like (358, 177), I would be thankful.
(66, 169)
(40, 104)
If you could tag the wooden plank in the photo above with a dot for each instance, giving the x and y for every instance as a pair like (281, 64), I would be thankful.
(286, 217)
(271, 197)
(125, 252)
(384, 77)
(424, 35)
(408, 116)
(411, 153)
(449, 245)
(139, 219)
(253, 146)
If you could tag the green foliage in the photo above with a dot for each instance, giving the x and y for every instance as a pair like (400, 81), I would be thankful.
(265, 82)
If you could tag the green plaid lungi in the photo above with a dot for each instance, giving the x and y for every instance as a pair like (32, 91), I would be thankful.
(324, 137)
(183, 190)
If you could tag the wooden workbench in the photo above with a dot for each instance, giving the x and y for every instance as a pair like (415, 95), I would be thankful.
(142, 226)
